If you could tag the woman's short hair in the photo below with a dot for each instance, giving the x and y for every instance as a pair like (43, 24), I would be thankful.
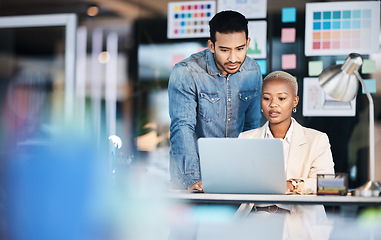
(285, 76)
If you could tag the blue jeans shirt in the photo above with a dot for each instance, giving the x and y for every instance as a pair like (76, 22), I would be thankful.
(203, 102)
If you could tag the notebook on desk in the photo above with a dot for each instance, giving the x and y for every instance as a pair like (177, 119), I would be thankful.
(237, 165)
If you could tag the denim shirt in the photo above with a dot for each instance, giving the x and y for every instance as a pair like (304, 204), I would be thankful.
(203, 102)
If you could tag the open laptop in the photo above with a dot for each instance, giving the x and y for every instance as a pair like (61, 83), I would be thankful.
(238, 165)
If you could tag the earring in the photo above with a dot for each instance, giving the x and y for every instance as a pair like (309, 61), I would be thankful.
(261, 110)
(294, 109)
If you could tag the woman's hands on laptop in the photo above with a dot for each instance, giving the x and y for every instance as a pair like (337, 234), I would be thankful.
(196, 187)
(295, 185)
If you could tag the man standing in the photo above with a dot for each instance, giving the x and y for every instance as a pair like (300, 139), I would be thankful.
(213, 93)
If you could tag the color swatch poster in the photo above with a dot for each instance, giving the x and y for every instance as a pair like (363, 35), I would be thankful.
(339, 28)
(258, 35)
(317, 103)
(249, 8)
(190, 19)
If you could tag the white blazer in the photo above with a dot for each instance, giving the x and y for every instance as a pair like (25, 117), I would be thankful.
(310, 153)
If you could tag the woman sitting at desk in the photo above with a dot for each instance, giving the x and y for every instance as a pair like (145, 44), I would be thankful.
(307, 151)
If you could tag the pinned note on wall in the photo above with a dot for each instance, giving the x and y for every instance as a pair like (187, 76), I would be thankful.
(288, 15)
(258, 35)
(368, 66)
(371, 85)
(288, 61)
(317, 103)
(263, 66)
(315, 68)
(288, 35)
(249, 8)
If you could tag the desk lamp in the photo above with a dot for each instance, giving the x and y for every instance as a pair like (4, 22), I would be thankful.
(341, 83)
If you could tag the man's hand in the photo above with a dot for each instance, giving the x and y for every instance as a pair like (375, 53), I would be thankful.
(196, 186)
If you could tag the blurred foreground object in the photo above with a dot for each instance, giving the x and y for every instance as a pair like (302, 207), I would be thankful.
(49, 187)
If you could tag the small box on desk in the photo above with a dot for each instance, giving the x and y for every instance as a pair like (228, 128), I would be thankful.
(332, 184)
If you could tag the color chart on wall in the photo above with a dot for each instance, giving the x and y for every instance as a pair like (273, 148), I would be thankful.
(339, 28)
(190, 19)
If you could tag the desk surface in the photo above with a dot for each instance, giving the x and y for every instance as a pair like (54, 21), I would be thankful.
(273, 198)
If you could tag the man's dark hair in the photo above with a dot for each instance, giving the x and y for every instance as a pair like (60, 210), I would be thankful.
(227, 22)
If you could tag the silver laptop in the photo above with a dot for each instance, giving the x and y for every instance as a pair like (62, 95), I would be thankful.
(237, 165)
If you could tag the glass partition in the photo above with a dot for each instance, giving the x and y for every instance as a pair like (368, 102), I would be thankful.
(37, 75)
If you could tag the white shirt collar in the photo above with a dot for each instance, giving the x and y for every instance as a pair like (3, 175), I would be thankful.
(288, 136)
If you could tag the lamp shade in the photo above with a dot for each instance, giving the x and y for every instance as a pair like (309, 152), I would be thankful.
(340, 81)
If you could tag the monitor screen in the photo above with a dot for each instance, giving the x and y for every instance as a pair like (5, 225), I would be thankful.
(156, 61)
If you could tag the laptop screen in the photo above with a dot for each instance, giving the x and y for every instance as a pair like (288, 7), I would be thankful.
(236, 165)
